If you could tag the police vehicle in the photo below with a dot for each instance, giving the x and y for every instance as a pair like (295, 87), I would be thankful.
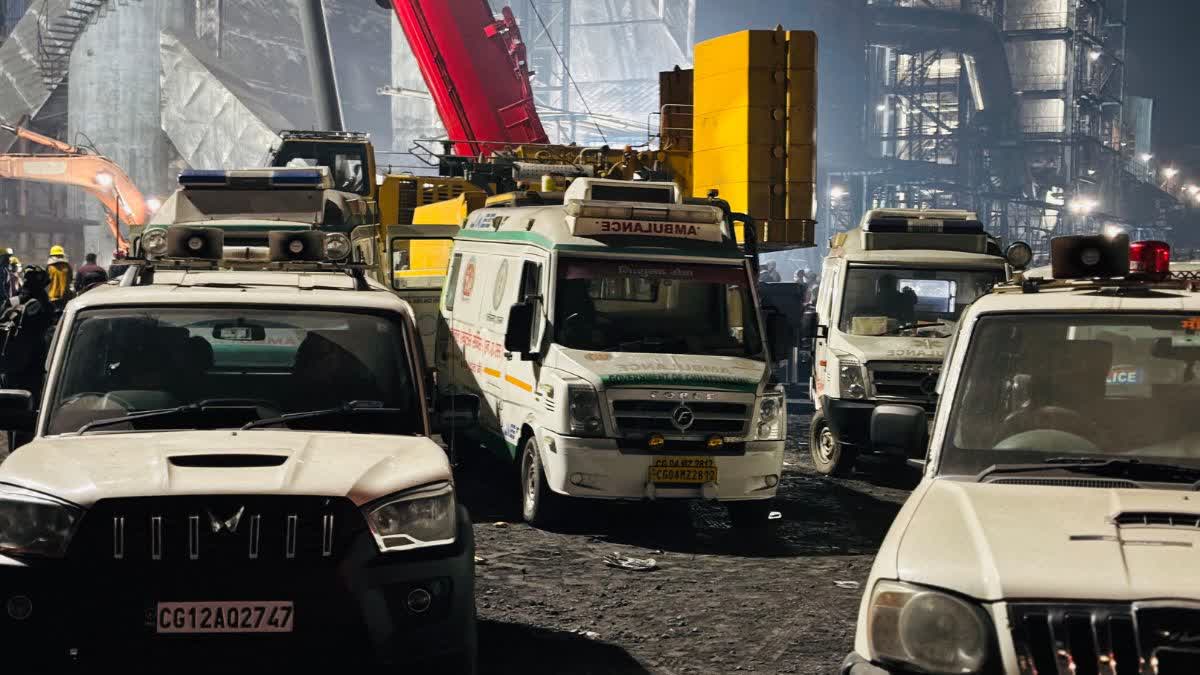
(234, 467)
(891, 293)
(616, 343)
(1055, 529)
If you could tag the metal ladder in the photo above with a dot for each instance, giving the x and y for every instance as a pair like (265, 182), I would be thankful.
(57, 38)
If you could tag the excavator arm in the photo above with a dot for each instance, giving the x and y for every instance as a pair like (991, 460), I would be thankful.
(475, 67)
(102, 178)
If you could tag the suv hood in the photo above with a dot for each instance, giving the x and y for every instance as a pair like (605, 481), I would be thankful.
(1009, 542)
(85, 469)
(623, 369)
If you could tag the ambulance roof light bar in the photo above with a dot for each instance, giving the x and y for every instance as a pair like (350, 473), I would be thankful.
(310, 178)
(892, 222)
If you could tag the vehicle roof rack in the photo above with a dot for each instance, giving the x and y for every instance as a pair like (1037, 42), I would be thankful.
(1176, 281)
(141, 271)
(314, 135)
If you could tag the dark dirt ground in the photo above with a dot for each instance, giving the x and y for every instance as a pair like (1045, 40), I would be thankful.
(722, 601)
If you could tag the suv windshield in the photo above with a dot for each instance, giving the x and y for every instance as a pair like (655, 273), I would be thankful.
(242, 364)
(1036, 388)
(656, 307)
(905, 301)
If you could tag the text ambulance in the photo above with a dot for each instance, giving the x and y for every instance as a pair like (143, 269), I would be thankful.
(616, 345)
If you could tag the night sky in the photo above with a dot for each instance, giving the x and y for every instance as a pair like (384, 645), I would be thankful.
(1163, 54)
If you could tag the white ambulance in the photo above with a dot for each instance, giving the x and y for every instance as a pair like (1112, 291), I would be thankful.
(891, 293)
(1055, 529)
(616, 343)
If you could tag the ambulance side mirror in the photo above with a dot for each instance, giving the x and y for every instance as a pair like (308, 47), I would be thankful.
(808, 325)
(519, 334)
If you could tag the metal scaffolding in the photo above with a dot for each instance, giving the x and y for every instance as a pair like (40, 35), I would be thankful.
(939, 104)
(596, 64)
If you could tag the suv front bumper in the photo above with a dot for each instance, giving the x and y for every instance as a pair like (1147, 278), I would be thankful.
(607, 468)
(351, 611)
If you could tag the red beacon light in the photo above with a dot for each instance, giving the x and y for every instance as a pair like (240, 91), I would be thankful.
(1150, 259)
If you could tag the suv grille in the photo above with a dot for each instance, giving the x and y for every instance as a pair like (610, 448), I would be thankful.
(640, 418)
(206, 531)
(1105, 639)
(909, 381)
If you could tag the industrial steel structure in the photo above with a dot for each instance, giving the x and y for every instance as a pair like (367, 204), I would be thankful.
(1011, 108)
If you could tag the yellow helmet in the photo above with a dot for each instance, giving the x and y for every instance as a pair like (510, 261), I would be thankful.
(15, 260)
(57, 250)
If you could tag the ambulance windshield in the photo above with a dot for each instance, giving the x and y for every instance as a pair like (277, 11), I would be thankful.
(903, 301)
(1038, 388)
(654, 307)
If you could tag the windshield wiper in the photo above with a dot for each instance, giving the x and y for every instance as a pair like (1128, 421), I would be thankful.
(161, 412)
(911, 326)
(1133, 469)
(347, 408)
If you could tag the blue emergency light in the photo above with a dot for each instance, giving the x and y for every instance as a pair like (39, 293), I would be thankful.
(297, 178)
(203, 178)
(900, 224)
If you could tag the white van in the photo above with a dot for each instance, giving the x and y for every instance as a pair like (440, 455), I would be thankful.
(616, 344)
(891, 293)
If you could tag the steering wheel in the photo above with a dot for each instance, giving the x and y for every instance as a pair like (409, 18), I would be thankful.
(95, 394)
(1050, 417)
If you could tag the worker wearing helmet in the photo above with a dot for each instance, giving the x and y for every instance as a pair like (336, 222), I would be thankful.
(61, 277)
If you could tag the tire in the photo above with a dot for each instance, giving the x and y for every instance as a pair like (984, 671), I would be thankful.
(540, 506)
(830, 457)
(750, 515)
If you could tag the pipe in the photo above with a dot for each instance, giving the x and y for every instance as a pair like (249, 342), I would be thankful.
(326, 98)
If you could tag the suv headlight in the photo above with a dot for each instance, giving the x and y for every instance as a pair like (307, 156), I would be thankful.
(419, 518)
(772, 417)
(852, 382)
(584, 410)
(33, 524)
(926, 628)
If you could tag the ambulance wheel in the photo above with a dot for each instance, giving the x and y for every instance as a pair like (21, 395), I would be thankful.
(830, 457)
(540, 506)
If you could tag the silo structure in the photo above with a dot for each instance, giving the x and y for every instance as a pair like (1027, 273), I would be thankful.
(114, 105)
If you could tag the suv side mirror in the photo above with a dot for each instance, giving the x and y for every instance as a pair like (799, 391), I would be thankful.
(520, 328)
(16, 410)
(455, 411)
(900, 430)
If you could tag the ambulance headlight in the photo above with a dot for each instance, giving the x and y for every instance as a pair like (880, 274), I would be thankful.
(772, 418)
(926, 629)
(853, 383)
(154, 243)
(584, 411)
(337, 246)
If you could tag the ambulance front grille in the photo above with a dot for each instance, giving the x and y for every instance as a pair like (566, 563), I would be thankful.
(641, 418)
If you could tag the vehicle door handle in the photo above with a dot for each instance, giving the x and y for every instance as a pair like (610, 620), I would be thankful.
(508, 355)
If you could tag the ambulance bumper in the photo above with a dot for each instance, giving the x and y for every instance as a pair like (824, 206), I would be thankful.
(603, 468)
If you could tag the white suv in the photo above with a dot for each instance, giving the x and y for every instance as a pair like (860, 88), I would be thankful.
(1055, 530)
(236, 466)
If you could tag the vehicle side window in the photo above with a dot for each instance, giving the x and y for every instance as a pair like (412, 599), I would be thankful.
(451, 290)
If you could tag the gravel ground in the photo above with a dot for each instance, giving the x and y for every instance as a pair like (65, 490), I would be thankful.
(721, 601)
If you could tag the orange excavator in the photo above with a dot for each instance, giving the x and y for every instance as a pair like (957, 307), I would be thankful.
(72, 165)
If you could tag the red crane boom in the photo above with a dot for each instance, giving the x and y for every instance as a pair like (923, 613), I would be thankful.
(475, 67)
